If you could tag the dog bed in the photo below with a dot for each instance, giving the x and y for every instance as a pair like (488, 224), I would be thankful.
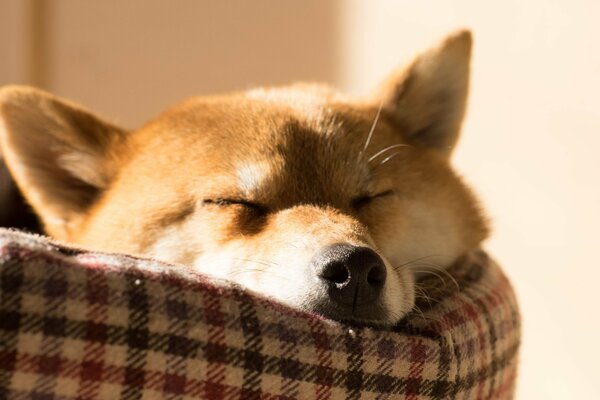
(86, 325)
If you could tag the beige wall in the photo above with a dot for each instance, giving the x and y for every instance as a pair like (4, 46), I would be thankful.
(15, 41)
(530, 143)
(128, 60)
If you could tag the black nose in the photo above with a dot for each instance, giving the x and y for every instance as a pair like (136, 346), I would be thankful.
(353, 275)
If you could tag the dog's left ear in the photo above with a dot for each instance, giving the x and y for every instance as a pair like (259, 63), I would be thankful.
(427, 99)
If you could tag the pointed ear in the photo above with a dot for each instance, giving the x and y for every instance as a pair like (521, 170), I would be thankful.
(60, 155)
(427, 99)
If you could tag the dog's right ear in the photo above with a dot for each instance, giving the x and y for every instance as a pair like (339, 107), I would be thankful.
(60, 155)
(427, 99)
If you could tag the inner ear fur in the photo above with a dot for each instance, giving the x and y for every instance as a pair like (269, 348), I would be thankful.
(59, 154)
(427, 99)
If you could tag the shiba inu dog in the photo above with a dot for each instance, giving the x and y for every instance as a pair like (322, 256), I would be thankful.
(321, 201)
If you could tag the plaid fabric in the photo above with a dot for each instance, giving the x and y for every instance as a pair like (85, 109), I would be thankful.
(81, 325)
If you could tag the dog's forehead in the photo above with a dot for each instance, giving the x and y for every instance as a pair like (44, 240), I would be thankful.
(310, 150)
(300, 141)
(297, 123)
(253, 176)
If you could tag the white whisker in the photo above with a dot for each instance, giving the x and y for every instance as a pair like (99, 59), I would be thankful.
(418, 259)
(371, 131)
(440, 269)
(388, 158)
(384, 150)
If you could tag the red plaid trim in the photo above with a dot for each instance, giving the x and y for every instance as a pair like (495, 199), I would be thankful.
(81, 325)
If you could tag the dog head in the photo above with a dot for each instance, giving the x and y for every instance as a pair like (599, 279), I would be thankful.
(300, 193)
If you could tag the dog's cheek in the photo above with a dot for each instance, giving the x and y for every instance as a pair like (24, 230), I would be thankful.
(429, 231)
(231, 243)
(387, 227)
(177, 243)
(185, 240)
(218, 226)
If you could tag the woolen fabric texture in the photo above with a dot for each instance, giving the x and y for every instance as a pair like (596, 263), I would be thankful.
(84, 325)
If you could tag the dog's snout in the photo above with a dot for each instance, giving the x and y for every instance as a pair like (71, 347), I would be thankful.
(354, 275)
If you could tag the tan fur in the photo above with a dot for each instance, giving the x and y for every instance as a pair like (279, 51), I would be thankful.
(302, 154)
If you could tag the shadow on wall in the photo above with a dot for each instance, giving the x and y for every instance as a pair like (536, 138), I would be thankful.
(131, 64)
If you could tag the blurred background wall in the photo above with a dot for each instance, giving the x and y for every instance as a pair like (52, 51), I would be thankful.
(530, 142)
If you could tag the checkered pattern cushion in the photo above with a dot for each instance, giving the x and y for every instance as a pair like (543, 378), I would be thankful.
(81, 325)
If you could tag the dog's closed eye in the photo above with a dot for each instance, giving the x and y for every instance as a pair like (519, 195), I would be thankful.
(223, 202)
(362, 201)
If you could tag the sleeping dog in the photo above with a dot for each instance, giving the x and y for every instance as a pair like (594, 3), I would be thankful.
(324, 202)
